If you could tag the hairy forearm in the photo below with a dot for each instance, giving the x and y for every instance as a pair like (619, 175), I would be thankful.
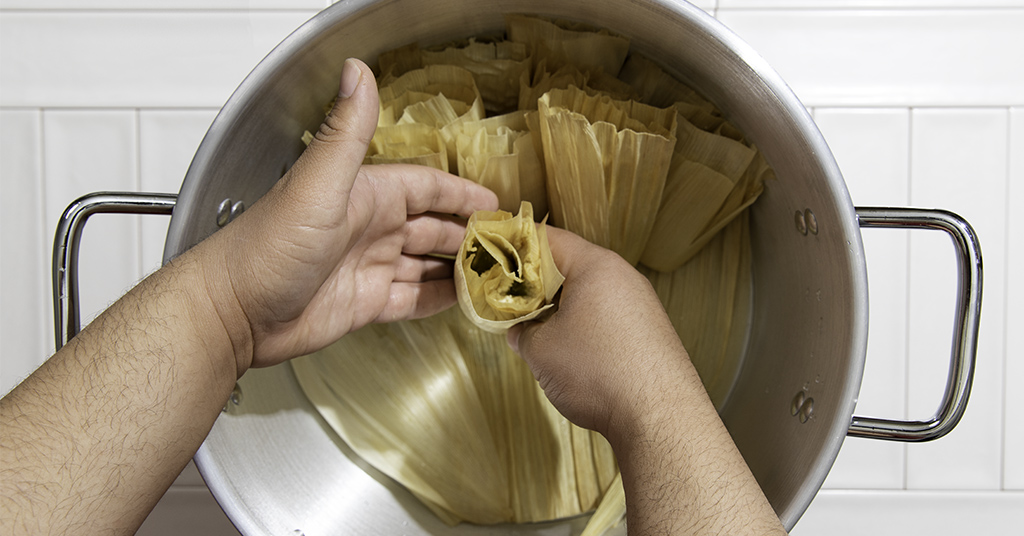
(681, 471)
(92, 439)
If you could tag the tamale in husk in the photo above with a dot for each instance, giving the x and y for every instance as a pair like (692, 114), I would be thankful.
(606, 166)
(496, 67)
(441, 96)
(561, 43)
(712, 178)
(499, 153)
(408, 144)
(504, 272)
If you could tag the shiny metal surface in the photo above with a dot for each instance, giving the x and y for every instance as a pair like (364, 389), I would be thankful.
(275, 466)
(66, 314)
(966, 322)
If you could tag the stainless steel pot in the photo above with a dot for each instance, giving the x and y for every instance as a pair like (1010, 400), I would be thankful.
(277, 468)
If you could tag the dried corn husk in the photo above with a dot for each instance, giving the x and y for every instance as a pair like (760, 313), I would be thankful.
(448, 411)
(499, 153)
(408, 144)
(496, 68)
(606, 165)
(710, 180)
(396, 62)
(610, 511)
(708, 301)
(441, 96)
(561, 43)
(595, 83)
(402, 397)
(656, 87)
(504, 273)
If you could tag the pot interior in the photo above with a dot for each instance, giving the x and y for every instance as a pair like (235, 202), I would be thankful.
(807, 333)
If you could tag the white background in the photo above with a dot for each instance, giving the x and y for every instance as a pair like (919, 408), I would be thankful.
(921, 101)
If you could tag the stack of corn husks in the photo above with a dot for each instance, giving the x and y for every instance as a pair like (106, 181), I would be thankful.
(563, 117)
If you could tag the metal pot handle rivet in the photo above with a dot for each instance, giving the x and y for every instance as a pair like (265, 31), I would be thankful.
(965, 323)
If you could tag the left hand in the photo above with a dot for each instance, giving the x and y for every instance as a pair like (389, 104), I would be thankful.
(336, 245)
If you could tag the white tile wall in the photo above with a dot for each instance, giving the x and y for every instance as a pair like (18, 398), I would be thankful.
(870, 146)
(959, 161)
(1013, 420)
(920, 57)
(23, 313)
(85, 151)
(167, 142)
(922, 102)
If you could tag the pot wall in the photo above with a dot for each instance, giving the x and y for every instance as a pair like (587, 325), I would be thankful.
(255, 139)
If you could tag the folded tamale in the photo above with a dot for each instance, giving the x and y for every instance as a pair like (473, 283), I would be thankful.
(504, 272)
(563, 43)
(606, 163)
(499, 153)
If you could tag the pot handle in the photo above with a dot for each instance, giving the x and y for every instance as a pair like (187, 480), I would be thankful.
(965, 323)
(66, 314)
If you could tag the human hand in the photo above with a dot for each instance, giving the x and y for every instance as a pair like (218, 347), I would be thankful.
(608, 343)
(335, 245)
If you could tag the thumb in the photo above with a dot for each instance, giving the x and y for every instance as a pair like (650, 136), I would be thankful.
(339, 146)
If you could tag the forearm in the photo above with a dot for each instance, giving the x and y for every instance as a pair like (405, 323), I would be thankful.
(681, 471)
(95, 436)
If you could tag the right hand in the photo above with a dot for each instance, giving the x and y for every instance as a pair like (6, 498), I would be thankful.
(608, 343)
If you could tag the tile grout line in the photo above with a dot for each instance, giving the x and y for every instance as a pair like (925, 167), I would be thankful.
(1006, 303)
(906, 290)
(138, 188)
(45, 334)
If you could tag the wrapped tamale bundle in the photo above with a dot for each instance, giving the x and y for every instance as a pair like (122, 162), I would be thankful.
(396, 62)
(455, 83)
(408, 144)
(712, 180)
(533, 87)
(496, 67)
(708, 301)
(561, 43)
(656, 87)
(441, 96)
(504, 272)
(606, 163)
(499, 153)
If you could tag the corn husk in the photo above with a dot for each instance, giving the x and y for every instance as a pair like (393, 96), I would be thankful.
(708, 301)
(396, 62)
(610, 512)
(561, 43)
(402, 397)
(408, 144)
(499, 153)
(441, 96)
(656, 87)
(448, 411)
(496, 67)
(533, 87)
(504, 272)
(711, 179)
(606, 165)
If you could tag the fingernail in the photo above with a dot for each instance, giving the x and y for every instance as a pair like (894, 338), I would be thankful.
(350, 75)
